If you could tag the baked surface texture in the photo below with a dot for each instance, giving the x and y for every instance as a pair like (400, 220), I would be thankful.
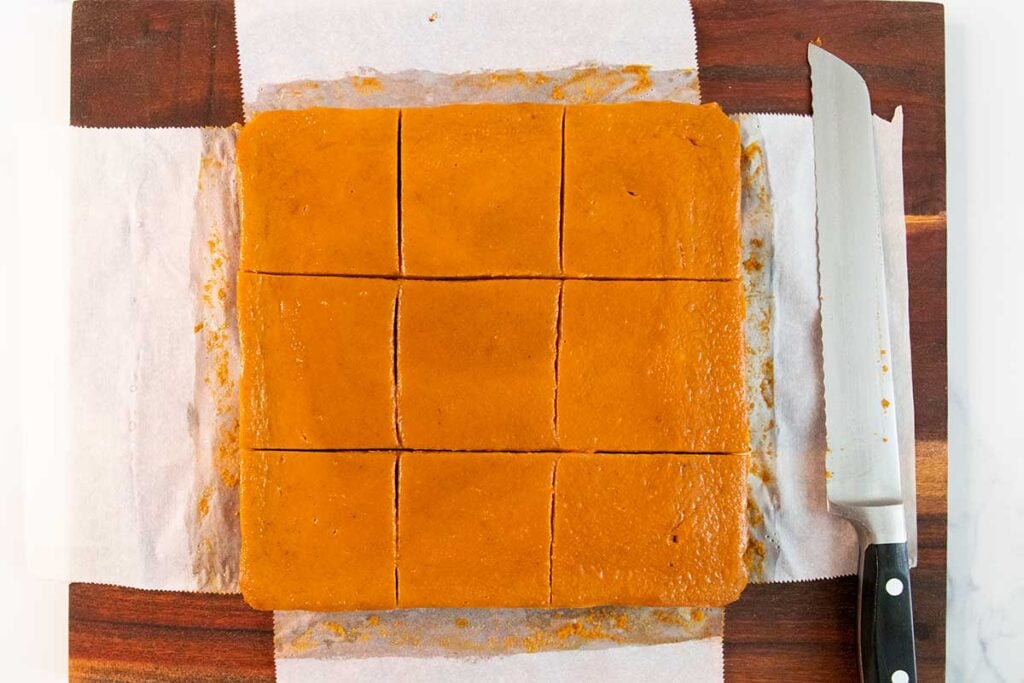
(492, 356)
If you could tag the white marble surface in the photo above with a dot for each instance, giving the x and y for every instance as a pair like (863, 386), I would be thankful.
(33, 69)
(985, 621)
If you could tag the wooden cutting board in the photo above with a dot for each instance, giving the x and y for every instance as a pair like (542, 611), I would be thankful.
(156, 63)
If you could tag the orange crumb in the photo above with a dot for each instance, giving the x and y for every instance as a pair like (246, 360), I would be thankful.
(366, 84)
(754, 515)
(204, 502)
(754, 556)
(749, 152)
(336, 628)
(643, 77)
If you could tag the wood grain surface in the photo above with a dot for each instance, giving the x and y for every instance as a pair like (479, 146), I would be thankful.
(121, 634)
(753, 57)
(171, 63)
(154, 63)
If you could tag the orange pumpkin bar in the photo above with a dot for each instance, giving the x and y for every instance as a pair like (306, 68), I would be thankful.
(476, 364)
(318, 530)
(655, 529)
(480, 189)
(652, 189)
(474, 529)
(319, 191)
(317, 362)
(652, 366)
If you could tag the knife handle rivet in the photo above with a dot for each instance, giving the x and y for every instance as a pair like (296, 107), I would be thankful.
(894, 587)
(900, 676)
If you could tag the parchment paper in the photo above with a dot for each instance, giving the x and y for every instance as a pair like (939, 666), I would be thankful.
(690, 661)
(321, 40)
(133, 357)
(889, 147)
(813, 544)
(215, 539)
(423, 633)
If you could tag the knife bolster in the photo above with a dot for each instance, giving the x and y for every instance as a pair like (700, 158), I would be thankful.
(875, 524)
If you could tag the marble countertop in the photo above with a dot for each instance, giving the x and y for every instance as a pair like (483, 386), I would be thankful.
(985, 619)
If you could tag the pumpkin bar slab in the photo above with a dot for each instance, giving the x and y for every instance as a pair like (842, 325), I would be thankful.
(319, 191)
(318, 530)
(652, 366)
(480, 189)
(317, 362)
(476, 364)
(649, 529)
(474, 529)
(652, 189)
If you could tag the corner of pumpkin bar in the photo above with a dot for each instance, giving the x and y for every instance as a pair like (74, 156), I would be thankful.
(298, 553)
(319, 191)
(683, 546)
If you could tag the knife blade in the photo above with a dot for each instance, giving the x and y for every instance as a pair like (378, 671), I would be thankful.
(862, 461)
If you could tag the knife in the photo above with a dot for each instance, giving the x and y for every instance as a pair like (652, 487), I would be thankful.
(862, 460)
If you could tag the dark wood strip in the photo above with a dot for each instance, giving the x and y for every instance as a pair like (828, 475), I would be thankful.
(793, 632)
(93, 602)
(126, 634)
(154, 63)
(807, 631)
(753, 57)
(926, 270)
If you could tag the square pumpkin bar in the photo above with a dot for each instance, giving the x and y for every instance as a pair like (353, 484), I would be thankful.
(319, 191)
(318, 530)
(480, 189)
(474, 529)
(649, 529)
(652, 189)
(652, 366)
(476, 364)
(317, 362)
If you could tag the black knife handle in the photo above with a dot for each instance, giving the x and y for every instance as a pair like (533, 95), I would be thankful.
(886, 617)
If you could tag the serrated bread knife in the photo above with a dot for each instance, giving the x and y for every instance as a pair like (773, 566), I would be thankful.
(862, 461)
